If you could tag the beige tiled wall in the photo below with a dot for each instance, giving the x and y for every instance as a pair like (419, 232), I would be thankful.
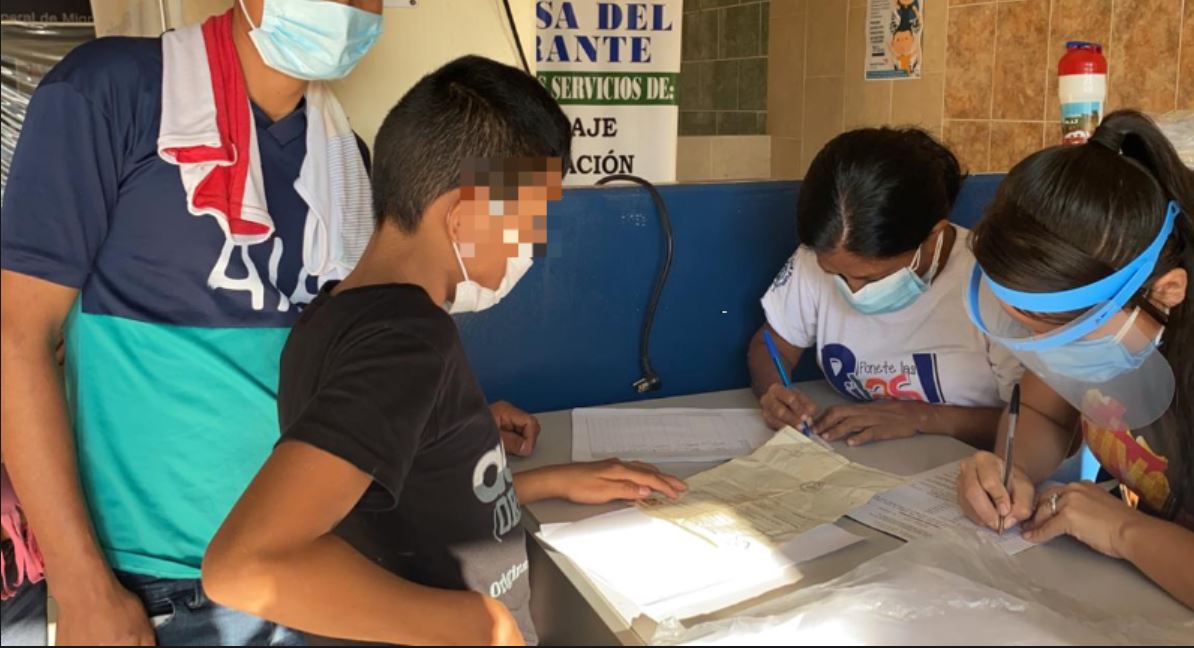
(989, 86)
(824, 40)
(723, 157)
(1185, 66)
(1149, 67)
(785, 87)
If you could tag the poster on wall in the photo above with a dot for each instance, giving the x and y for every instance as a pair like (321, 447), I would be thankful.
(614, 67)
(895, 31)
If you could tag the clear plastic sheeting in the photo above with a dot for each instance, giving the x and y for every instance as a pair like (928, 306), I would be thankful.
(957, 589)
(27, 52)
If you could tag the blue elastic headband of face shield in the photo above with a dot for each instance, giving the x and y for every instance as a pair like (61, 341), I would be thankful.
(1113, 292)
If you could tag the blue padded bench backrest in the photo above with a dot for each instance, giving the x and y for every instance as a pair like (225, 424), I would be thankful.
(568, 335)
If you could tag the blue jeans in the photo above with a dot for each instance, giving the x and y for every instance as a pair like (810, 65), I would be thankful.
(23, 617)
(182, 615)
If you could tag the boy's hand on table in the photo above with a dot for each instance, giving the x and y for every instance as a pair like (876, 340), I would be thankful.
(520, 431)
(600, 482)
(597, 482)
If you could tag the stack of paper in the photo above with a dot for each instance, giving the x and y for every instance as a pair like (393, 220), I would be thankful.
(666, 435)
(643, 565)
(784, 488)
(924, 506)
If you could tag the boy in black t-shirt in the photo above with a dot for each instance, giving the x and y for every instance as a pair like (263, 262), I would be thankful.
(388, 513)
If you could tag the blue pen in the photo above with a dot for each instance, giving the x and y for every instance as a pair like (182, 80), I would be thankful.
(783, 375)
(779, 363)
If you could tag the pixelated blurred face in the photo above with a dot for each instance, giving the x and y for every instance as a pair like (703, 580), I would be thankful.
(503, 208)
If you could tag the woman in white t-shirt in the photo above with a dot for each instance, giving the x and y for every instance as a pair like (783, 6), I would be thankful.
(877, 290)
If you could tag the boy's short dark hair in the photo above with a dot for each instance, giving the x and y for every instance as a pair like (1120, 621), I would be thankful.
(471, 108)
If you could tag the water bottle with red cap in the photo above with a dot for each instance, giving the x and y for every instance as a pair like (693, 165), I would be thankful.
(1082, 88)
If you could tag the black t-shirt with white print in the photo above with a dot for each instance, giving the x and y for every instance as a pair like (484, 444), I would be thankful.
(378, 377)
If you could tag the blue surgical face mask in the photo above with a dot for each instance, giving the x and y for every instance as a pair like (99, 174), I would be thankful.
(1096, 361)
(895, 291)
(316, 40)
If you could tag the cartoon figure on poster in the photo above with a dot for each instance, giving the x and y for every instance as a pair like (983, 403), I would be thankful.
(906, 28)
(906, 13)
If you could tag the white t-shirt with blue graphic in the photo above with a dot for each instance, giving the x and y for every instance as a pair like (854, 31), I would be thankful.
(928, 351)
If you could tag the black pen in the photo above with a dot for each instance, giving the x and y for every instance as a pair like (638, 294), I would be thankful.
(1013, 413)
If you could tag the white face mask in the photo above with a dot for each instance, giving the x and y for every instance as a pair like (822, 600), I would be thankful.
(895, 291)
(313, 40)
(472, 297)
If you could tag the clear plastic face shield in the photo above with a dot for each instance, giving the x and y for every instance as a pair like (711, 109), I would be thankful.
(1105, 362)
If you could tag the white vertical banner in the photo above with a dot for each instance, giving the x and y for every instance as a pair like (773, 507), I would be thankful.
(615, 68)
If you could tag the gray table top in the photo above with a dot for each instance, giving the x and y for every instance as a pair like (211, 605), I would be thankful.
(1064, 565)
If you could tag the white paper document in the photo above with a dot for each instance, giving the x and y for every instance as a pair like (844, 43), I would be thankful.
(779, 491)
(666, 435)
(643, 565)
(924, 506)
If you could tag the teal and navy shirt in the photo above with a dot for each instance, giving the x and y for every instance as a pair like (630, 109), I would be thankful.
(171, 383)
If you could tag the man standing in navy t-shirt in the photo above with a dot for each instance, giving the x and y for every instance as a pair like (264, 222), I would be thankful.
(128, 461)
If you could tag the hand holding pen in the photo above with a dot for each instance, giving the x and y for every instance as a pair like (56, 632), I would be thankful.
(784, 405)
(992, 491)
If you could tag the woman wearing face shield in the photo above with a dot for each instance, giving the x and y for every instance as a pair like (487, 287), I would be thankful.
(1089, 250)
(875, 290)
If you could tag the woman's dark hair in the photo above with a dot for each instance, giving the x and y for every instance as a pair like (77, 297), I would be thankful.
(1071, 215)
(877, 192)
